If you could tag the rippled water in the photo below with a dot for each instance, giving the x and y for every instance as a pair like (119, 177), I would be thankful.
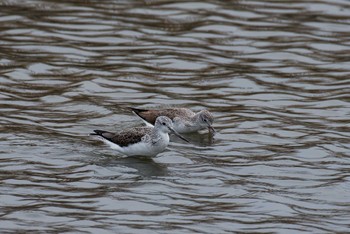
(274, 73)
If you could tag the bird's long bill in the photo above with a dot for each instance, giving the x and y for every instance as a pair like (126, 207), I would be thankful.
(178, 135)
(211, 129)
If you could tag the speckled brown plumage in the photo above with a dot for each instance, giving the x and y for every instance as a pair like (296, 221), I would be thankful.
(151, 115)
(124, 138)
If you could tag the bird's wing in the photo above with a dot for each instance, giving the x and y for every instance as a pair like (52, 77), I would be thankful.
(150, 116)
(126, 137)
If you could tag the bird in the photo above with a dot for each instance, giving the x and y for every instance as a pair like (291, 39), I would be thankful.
(142, 141)
(184, 120)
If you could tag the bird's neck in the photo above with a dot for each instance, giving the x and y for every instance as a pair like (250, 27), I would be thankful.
(195, 118)
(159, 135)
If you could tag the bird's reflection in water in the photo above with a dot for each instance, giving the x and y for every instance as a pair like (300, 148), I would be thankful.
(145, 166)
(197, 139)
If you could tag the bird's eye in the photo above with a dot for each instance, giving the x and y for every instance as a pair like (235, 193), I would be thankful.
(163, 123)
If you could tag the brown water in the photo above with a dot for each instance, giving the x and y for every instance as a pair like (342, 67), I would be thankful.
(275, 74)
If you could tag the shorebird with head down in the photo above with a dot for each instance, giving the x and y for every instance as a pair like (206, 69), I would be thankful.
(184, 120)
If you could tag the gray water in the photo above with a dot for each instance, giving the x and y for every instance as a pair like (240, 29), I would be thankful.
(275, 74)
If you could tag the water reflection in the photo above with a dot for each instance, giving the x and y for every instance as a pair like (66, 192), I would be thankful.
(145, 167)
(275, 74)
(198, 139)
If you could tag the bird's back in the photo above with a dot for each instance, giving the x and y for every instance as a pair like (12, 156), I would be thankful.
(126, 137)
(151, 115)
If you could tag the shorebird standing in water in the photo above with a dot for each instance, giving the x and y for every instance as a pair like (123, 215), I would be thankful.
(184, 120)
(143, 141)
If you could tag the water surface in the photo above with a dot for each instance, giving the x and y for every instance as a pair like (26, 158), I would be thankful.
(275, 74)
